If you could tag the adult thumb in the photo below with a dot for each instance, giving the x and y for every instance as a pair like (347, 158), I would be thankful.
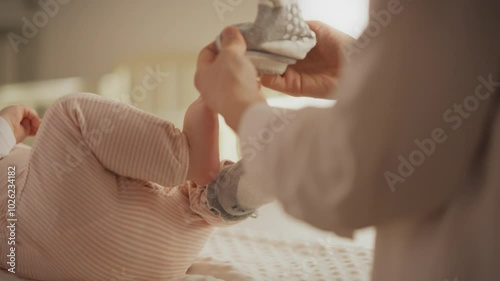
(233, 40)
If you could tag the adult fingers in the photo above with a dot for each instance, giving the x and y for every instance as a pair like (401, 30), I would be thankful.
(233, 41)
(275, 82)
(207, 55)
(289, 83)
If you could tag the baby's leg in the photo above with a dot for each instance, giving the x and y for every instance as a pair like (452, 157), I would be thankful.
(124, 140)
(76, 220)
(87, 210)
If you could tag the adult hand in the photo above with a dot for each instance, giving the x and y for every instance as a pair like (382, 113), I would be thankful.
(317, 75)
(23, 120)
(227, 80)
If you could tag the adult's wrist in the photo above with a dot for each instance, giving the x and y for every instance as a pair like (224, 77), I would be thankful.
(234, 110)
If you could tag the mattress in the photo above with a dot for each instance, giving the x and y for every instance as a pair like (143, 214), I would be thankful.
(231, 255)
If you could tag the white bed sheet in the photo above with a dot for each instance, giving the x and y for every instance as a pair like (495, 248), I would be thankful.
(234, 256)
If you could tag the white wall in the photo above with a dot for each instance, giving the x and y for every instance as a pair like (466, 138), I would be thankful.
(88, 38)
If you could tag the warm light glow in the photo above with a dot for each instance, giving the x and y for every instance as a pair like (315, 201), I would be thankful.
(350, 16)
(298, 103)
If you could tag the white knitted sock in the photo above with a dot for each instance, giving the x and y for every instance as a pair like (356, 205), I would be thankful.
(278, 37)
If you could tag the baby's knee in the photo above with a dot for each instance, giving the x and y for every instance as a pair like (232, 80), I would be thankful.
(73, 98)
(65, 105)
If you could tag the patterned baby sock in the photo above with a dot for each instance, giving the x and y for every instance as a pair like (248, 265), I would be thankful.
(278, 37)
(232, 197)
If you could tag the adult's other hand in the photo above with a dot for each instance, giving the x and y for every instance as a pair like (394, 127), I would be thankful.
(317, 75)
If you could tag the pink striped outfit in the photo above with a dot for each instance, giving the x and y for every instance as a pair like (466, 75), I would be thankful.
(101, 196)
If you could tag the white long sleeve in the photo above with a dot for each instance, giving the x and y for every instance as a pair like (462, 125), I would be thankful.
(411, 147)
(7, 138)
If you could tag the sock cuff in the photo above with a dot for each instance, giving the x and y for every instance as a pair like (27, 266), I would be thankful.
(232, 197)
(222, 194)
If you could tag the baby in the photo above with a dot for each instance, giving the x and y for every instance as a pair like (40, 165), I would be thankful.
(103, 193)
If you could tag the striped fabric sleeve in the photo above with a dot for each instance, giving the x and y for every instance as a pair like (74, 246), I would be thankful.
(7, 138)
